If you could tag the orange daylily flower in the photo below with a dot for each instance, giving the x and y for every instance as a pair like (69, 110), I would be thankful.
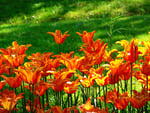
(15, 49)
(139, 99)
(102, 80)
(88, 108)
(103, 110)
(119, 70)
(145, 67)
(95, 51)
(117, 67)
(99, 77)
(44, 60)
(9, 99)
(85, 64)
(93, 71)
(58, 36)
(40, 59)
(1, 59)
(63, 73)
(86, 82)
(72, 63)
(64, 55)
(71, 86)
(110, 96)
(2, 65)
(37, 107)
(20, 50)
(2, 110)
(2, 84)
(15, 61)
(120, 101)
(3, 68)
(13, 82)
(107, 55)
(142, 79)
(15, 54)
(131, 51)
(58, 109)
(146, 49)
(58, 83)
(86, 37)
(29, 74)
(40, 88)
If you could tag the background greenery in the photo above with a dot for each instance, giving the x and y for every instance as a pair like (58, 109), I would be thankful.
(28, 21)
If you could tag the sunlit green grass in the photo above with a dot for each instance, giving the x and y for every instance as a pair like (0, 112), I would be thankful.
(36, 34)
(24, 11)
(28, 21)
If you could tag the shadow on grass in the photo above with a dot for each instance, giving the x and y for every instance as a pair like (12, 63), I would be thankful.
(53, 10)
(11, 9)
(36, 34)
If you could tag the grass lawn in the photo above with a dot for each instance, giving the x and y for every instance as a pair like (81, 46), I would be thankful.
(36, 33)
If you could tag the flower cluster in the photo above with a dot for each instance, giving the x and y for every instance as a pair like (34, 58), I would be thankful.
(76, 83)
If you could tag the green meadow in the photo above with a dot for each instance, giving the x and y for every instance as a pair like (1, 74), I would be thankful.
(28, 21)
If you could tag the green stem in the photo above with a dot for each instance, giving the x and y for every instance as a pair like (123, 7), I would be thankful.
(121, 86)
(16, 94)
(31, 102)
(60, 98)
(43, 100)
(100, 96)
(33, 96)
(75, 99)
(125, 84)
(93, 95)
(118, 86)
(89, 91)
(71, 99)
(147, 82)
(117, 90)
(22, 100)
(123, 111)
(138, 111)
(24, 97)
(104, 97)
(131, 79)
(130, 109)
(142, 107)
(96, 94)
(83, 93)
(147, 92)
(47, 96)
(59, 48)
(114, 81)
(68, 101)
